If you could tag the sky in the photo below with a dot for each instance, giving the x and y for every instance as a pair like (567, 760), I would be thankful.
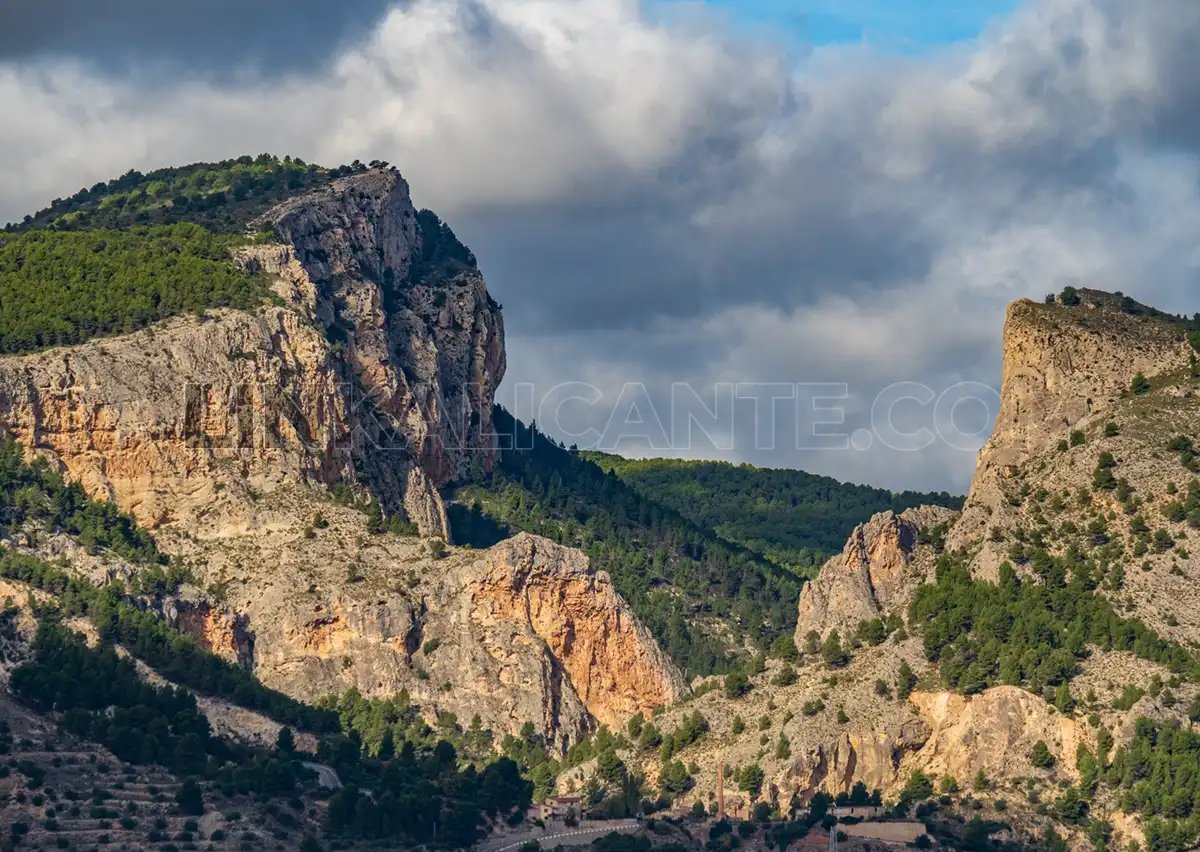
(900, 25)
(808, 218)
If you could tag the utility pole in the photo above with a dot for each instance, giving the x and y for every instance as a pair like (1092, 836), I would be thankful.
(833, 838)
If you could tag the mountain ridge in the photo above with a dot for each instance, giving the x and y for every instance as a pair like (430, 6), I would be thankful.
(310, 467)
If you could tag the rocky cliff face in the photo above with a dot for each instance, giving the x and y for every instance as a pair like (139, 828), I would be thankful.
(530, 586)
(425, 347)
(1065, 368)
(522, 632)
(873, 575)
(376, 369)
(198, 416)
(953, 735)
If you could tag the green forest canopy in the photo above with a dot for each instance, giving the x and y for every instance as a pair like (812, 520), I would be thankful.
(63, 287)
(795, 519)
(224, 197)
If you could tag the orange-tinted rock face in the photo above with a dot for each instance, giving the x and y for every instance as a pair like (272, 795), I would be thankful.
(219, 631)
(610, 660)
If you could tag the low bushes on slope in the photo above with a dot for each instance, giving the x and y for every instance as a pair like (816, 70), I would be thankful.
(1023, 632)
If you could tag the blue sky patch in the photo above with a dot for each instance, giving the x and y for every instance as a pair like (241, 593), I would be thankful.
(887, 24)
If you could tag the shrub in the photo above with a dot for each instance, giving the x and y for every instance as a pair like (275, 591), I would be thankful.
(832, 652)
(1180, 444)
(813, 707)
(750, 779)
(917, 788)
(736, 684)
(784, 648)
(1040, 755)
(906, 680)
(1078, 439)
(1140, 384)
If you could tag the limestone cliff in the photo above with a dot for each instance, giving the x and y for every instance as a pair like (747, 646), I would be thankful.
(954, 735)
(522, 632)
(1065, 368)
(197, 417)
(1067, 406)
(531, 586)
(873, 575)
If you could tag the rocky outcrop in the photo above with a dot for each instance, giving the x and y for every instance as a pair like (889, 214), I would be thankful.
(953, 735)
(523, 632)
(365, 376)
(993, 732)
(186, 420)
(215, 629)
(871, 758)
(426, 348)
(531, 586)
(873, 575)
(1064, 367)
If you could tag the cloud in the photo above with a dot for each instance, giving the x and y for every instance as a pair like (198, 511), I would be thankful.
(214, 37)
(665, 200)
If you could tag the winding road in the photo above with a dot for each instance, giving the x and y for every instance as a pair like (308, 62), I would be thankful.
(326, 777)
(585, 833)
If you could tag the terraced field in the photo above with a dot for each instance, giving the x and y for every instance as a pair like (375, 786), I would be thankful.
(59, 793)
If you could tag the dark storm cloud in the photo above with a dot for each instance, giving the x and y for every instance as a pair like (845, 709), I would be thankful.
(199, 36)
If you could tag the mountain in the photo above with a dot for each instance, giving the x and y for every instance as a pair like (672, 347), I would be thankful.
(795, 519)
(258, 540)
(234, 460)
(1033, 659)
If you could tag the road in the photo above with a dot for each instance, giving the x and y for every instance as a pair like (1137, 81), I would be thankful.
(585, 833)
(326, 777)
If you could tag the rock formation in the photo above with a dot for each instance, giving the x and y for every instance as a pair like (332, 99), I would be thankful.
(372, 376)
(953, 735)
(200, 415)
(523, 632)
(873, 575)
(872, 758)
(993, 732)
(1064, 367)
(531, 586)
